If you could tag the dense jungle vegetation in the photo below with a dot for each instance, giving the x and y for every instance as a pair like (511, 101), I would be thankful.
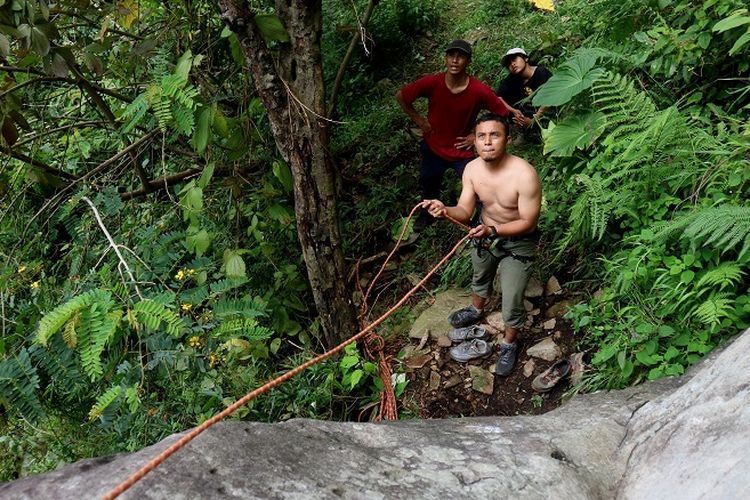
(151, 272)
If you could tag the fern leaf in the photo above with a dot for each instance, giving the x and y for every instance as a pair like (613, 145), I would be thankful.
(714, 309)
(726, 275)
(151, 313)
(247, 328)
(243, 308)
(69, 334)
(18, 384)
(104, 401)
(55, 319)
(225, 285)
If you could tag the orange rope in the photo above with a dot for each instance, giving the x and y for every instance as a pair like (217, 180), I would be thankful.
(184, 440)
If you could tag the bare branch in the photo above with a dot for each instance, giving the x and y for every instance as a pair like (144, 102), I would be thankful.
(358, 35)
(114, 247)
(58, 129)
(161, 182)
(37, 163)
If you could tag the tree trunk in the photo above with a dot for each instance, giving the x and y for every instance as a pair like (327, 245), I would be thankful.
(289, 81)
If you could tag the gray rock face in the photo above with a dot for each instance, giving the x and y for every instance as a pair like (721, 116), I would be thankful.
(675, 438)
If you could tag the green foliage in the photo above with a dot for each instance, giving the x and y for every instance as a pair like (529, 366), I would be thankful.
(153, 314)
(18, 383)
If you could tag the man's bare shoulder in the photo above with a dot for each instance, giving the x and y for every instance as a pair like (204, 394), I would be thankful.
(523, 167)
(474, 167)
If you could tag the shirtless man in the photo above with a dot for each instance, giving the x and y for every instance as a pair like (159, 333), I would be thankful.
(454, 99)
(511, 194)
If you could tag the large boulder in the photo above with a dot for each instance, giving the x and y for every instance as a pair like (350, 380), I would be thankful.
(675, 438)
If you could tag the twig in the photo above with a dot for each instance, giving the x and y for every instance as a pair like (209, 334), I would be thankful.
(359, 35)
(114, 246)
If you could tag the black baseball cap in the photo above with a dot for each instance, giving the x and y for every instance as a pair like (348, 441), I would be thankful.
(461, 45)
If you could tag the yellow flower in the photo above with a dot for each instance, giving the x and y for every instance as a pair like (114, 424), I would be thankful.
(186, 307)
(213, 360)
(195, 341)
(191, 272)
(35, 285)
(180, 275)
(21, 269)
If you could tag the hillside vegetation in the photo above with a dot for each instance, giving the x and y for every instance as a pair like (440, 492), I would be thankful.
(150, 270)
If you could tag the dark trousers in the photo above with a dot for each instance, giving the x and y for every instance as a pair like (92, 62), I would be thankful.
(432, 171)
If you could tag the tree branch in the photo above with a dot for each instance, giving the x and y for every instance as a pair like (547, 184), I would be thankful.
(161, 182)
(72, 81)
(58, 129)
(114, 246)
(37, 163)
(356, 37)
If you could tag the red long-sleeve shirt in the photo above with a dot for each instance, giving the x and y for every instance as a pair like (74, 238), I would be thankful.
(452, 115)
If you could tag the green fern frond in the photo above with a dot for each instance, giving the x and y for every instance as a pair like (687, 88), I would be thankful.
(717, 307)
(104, 401)
(18, 384)
(151, 313)
(55, 319)
(722, 227)
(725, 275)
(225, 285)
(134, 112)
(58, 362)
(69, 333)
(247, 328)
(244, 308)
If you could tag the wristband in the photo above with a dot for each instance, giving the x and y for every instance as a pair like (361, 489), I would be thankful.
(493, 232)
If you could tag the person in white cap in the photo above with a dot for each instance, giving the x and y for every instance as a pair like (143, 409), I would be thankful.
(523, 80)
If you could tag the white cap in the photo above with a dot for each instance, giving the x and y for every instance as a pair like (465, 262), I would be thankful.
(513, 52)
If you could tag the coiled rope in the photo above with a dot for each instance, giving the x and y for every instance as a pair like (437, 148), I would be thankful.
(184, 440)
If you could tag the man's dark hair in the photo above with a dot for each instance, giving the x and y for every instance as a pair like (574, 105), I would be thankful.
(493, 117)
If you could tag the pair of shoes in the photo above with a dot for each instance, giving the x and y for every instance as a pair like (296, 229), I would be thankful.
(466, 316)
(467, 333)
(471, 349)
(507, 359)
(551, 376)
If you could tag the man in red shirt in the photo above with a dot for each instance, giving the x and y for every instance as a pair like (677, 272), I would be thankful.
(454, 101)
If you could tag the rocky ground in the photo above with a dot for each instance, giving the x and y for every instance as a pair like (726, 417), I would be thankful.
(440, 387)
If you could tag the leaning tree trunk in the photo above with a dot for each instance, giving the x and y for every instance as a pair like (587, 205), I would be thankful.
(289, 80)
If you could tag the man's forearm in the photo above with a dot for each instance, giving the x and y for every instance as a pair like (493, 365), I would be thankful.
(457, 213)
(515, 228)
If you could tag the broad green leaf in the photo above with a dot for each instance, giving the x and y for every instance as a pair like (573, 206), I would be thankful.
(621, 359)
(203, 129)
(355, 378)
(576, 75)
(205, 178)
(604, 354)
(127, 12)
(275, 344)
(671, 353)
(184, 64)
(730, 22)
(220, 124)
(576, 132)
(39, 41)
(741, 41)
(234, 266)
(4, 45)
(271, 27)
(199, 242)
(283, 174)
(347, 362)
